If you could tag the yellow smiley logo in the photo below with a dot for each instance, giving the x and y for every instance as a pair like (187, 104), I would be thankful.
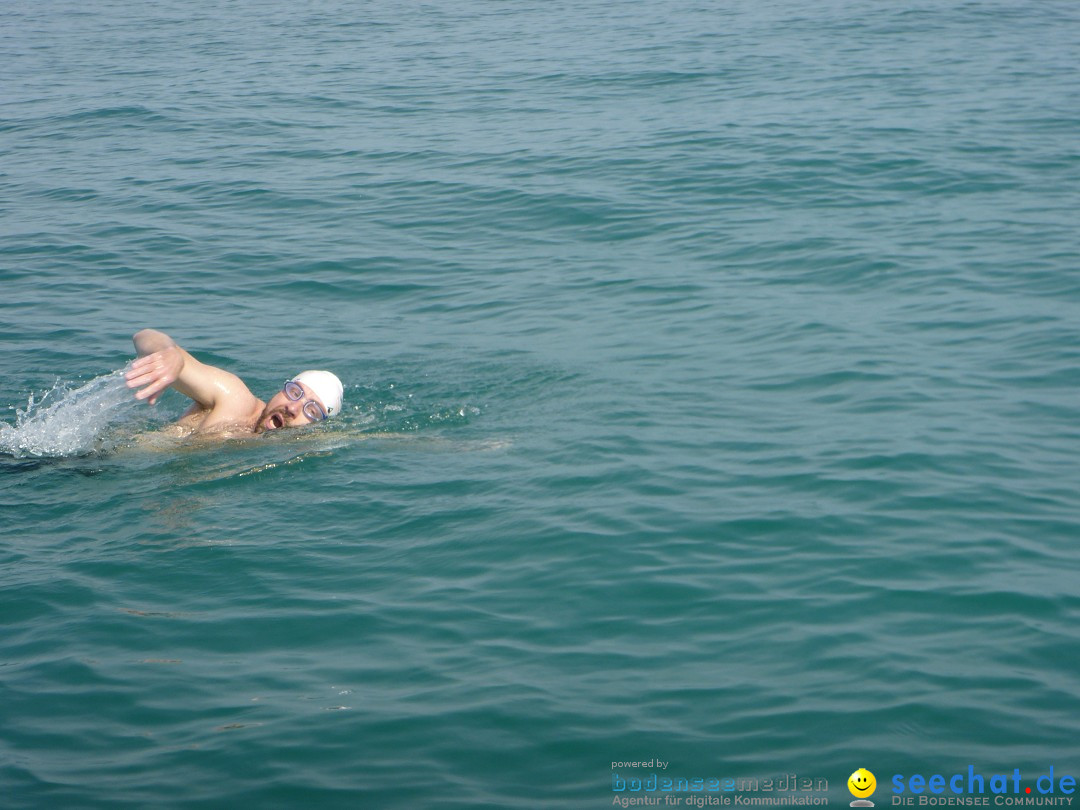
(861, 783)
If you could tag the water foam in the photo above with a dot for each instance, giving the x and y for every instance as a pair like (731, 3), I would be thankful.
(69, 421)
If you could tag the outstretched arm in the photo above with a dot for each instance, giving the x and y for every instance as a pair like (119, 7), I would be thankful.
(162, 363)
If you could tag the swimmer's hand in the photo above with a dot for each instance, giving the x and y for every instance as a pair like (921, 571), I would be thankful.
(155, 372)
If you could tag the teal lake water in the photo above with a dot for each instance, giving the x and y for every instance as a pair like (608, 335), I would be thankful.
(711, 377)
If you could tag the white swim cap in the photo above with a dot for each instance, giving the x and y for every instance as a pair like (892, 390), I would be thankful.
(326, 386)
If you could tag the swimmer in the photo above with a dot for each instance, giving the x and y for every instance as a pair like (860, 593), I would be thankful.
(221, 403)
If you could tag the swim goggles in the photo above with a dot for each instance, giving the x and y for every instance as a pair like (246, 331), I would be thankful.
(312, 409)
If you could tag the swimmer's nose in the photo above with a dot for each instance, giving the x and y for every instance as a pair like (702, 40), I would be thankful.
(293, 407)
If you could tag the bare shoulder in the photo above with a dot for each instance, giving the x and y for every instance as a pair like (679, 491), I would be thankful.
(225, 401)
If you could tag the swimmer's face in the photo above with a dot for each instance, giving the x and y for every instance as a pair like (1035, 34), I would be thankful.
(283, 412)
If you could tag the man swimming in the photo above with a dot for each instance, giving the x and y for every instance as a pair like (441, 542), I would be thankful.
(221, 402)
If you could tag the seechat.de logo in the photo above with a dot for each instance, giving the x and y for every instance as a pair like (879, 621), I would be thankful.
(971, 789)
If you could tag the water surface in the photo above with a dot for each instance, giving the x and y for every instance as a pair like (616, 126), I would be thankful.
(711, 395)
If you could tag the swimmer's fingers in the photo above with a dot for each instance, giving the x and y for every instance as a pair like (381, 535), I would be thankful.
(168, 361)
(152, 391)
(140, 368)
(151, 375)
(143, 377)
(156, 385)
(142, 362)
(138, 380)
(141, 365)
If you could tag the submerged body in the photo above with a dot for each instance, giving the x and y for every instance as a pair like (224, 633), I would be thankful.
(222, 405)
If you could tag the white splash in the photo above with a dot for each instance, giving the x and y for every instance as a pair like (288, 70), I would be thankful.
(68, 421)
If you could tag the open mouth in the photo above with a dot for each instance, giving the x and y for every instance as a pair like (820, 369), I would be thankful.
(274, 422)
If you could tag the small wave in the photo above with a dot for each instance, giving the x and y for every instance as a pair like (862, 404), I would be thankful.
(69, 421)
